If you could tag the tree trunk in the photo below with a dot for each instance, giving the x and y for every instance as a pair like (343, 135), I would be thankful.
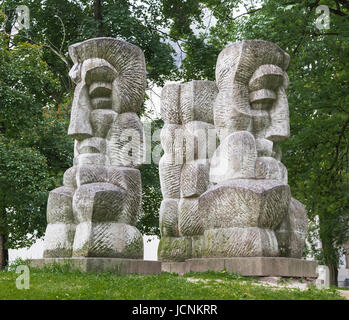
(333, 274)
(98, 16)
(331, 260)
(329, 250)
(3, 252)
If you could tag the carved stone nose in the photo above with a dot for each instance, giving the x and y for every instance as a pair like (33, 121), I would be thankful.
(80, 126)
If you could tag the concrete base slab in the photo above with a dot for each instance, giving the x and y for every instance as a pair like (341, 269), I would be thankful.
(175, 267)
(247, 266)
(119, 266)
(343, 278)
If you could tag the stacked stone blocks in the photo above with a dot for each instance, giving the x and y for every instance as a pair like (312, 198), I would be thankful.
(236, 201)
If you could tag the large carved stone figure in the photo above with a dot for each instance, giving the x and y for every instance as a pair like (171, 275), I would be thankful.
(95, 211)
(184, 168)
(244, 208)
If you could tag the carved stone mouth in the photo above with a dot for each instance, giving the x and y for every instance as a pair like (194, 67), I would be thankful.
(88, 149)
(100, 95)
(92, 145)
(100, 89)
(262, 99)
(101, 103)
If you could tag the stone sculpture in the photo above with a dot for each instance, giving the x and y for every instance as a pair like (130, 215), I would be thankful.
(95, 211)
(243, 207)
(184, 168)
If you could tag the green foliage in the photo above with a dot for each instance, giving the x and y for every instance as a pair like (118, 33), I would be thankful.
(23, 192)
(149, 218)
(182, 15)
(57, 24)
(200, 61)
(52, 140)
(151, 192)
(26, 175)
(24, 76)
(63, 283)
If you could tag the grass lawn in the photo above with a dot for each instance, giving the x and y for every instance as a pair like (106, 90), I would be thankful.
(57, 282)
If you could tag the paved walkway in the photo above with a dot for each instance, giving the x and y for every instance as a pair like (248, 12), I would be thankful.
(344, 293)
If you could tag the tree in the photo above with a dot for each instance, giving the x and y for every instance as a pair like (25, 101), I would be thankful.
(151, 192)
(23, 186)
(56, 24)
(25, 171)
(98, 16)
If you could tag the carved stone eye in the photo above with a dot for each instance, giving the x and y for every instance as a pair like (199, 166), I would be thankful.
(264, 84)
(98, 75)
(267, 76)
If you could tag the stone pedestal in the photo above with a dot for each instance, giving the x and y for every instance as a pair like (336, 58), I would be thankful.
(247, 266)
(323, 280)
(119, 266)
(343, 278)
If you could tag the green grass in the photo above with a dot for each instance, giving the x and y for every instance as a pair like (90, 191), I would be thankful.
(58, 282)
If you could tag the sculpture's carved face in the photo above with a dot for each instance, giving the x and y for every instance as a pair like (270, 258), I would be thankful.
(101, 134)
(269, 108)
(266, 94)
(251, 111)
(252, 80)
